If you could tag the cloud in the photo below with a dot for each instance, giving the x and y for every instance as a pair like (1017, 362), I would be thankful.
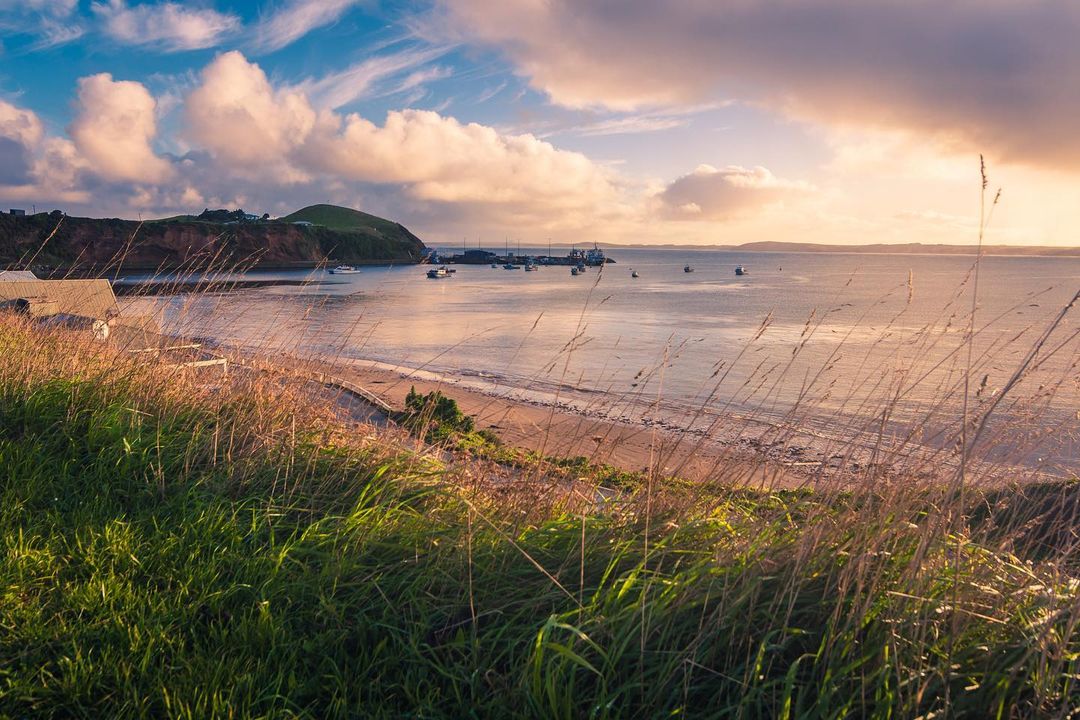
(168, 26)
(251, 126)
(114, 128)
(296, 18)
(20, 131)
(20, 125)
(33, 165)
(710, 193)
(357, 81)
(1002, 75)
(51, 8)
(49, 20)
(241, 119)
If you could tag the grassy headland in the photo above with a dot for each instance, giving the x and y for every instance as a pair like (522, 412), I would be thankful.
(174, 548)
(89, 245)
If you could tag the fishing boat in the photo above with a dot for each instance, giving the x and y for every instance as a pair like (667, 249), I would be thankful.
(633, 273)
(344, 270)
(740, 270)
(439, 272)
(688, 269)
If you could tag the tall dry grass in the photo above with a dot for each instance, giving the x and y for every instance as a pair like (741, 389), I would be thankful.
(190, 543)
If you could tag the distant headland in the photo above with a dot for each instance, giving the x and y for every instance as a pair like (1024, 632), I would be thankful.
(881, 248)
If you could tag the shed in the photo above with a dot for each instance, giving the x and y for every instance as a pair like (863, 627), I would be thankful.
(88, 298)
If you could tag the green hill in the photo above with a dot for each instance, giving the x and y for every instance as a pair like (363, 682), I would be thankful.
(345, 219)
(336, 235)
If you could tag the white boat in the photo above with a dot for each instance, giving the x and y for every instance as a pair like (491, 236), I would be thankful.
(633, 273)
(344, 270)
(688, 269)
(740, 270)
(439, 272)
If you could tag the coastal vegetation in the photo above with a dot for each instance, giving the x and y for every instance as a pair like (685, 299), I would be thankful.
(184, 546)
(216, 239)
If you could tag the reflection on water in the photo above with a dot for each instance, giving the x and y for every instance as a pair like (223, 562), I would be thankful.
(827, 337)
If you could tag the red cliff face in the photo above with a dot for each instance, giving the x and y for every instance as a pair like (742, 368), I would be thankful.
(91, 243)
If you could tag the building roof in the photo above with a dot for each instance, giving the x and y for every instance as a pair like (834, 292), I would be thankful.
(16, 275)
(89, 298)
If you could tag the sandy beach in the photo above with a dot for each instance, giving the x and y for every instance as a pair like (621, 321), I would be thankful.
(736, 453)
(735, 450)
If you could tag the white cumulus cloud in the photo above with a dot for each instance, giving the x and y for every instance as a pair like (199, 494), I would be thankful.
(719, 193)
(114, 129)
(248, 124)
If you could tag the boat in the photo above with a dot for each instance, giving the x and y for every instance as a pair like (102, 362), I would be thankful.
(344, 270)
(494, 266)
(688, 269)
(575, 271)
(595, 257)
(740, 270)
(581, 267)
(633, 273)
(511, 266)
(439, 272)
(529, 267)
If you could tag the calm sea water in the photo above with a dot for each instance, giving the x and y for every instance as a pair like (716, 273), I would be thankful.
(844, 342)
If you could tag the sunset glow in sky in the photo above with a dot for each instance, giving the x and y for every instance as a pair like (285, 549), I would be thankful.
(690, 121)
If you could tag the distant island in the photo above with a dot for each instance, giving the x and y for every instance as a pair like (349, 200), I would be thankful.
(315, 235)
(885, 248)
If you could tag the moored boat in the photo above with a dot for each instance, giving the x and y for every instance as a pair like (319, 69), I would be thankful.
(688, 269)
(439, 272)
(633, 273)
(344, 270)
(741, 270)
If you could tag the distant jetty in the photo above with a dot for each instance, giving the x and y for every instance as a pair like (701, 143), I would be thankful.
(593, 258)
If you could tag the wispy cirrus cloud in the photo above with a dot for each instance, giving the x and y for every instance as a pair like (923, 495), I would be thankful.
(170, 26)
(52, 22)
(360, 80)
(294, 19)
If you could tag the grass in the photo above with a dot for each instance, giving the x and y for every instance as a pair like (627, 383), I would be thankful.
(178, 548)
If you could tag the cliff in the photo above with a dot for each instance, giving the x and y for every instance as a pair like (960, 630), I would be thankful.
(88, 244)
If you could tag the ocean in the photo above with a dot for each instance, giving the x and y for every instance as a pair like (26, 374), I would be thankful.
(840, 344)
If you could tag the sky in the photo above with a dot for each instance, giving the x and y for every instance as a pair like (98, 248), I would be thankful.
(617, 121)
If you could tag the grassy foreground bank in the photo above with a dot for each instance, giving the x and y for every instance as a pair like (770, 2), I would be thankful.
(172, 549)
